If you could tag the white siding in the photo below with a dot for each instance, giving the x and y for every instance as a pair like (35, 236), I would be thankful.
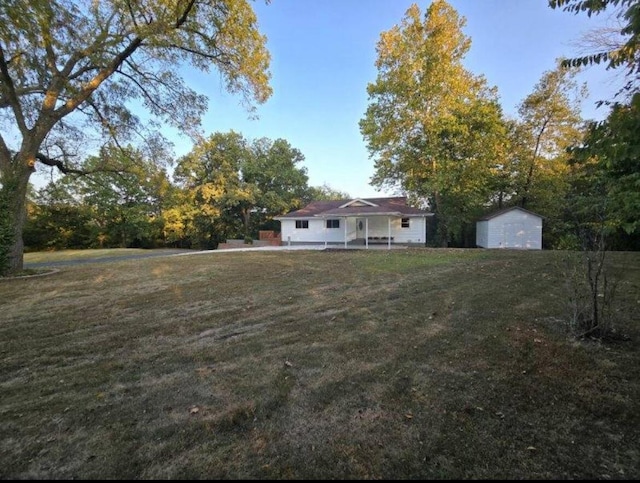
(378, 226)
(317, 231)
(482, 234)
(514, 229)
(416, 232)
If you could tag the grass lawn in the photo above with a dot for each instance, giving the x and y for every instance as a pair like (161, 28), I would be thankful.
(66, 255)
(340, 364)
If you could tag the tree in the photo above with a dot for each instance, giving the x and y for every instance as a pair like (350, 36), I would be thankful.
(623, 53)
(607, 159)
(6, 231)
(119, 208)
(609, 163)
(237, 186)
(70, 69)
(536, 170)
(435, 129)
(58, 219)
(209, 176)
(324, 193)
(550, 122)
(126, 203)
(280, 183)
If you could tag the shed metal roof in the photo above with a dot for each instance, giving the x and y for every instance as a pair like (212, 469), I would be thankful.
(506, 210)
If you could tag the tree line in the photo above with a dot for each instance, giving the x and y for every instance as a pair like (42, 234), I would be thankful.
(70, 70)
(436, 131)
(226, 187)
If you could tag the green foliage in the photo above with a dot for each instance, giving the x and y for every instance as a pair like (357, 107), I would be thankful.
(536, 169)
(122, 207)
(604, 181)
(436, 130)
(627, 53)
(608, 163)
(324, 193)
(110, 52)
(126, 204)
(56, 224)
(70, 69)
(233, 187)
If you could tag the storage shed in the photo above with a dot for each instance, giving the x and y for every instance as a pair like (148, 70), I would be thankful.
(510, 228)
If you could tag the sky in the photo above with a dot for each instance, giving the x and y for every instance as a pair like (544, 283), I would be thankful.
(323, 56)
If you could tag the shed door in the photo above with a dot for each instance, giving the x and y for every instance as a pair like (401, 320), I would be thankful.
(513, 235)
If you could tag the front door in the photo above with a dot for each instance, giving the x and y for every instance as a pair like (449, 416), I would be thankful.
(360, 228)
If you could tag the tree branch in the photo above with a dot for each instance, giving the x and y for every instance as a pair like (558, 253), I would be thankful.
(133, 17)
(183, 18)
(119, 59)
(63, 168)
(105, 122)
(145, 94)
(83, 70)
(25, 91)
(98, 79)
(5, 154)
(10, 92)
(56, 163)
(78, 55)
(218, 58)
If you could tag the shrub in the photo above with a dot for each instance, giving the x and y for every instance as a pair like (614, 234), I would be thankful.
(591, 292)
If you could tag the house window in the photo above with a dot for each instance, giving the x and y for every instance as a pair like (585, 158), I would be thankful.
(333, 223)
(302, 223)
(405, 223)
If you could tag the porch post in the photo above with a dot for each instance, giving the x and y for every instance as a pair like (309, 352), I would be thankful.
(389, 234)
(345, 232)
(366, 232)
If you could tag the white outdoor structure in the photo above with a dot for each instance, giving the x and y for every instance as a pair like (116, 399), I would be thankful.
(360, 221)
(510, 228)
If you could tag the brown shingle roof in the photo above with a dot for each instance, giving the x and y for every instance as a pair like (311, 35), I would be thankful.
(392, 206)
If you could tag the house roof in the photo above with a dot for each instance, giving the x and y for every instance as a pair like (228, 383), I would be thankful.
(395, 206)
(506, 210)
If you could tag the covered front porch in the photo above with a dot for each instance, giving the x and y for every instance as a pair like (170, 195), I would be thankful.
(364, 231)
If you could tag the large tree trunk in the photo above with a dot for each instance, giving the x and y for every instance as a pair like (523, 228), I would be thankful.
(15, 181)
(246, 216)
(527, 186)
(443, 223)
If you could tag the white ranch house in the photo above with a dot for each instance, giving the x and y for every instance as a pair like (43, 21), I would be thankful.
(510, 228)
(361, 221)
